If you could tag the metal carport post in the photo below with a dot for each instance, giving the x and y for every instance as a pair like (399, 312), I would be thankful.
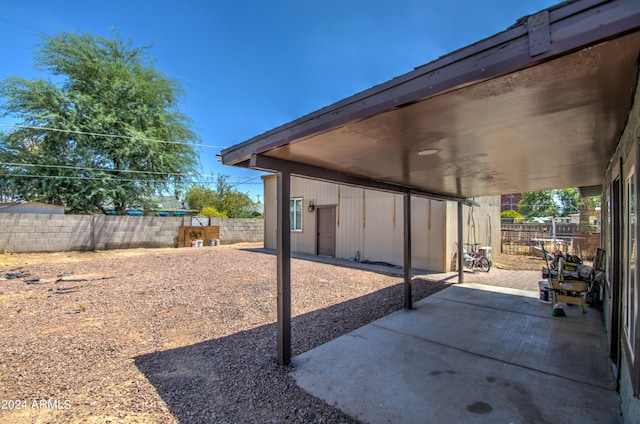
(284, 268)
(408, 302)
(460, 249)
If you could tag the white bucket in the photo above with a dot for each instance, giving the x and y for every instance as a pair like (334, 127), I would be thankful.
(545, 294)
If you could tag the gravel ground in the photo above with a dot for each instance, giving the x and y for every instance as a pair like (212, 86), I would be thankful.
(171, 335)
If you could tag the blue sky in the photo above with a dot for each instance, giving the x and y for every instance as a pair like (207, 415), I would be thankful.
(249, 66)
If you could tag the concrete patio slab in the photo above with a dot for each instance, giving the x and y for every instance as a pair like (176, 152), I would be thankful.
(470, 353)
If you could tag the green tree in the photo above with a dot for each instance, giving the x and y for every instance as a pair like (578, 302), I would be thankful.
(231, 201)
(224, 198)
(107, 134)
(538, 204)
(559, 202)
(199, 197)
(568, 200)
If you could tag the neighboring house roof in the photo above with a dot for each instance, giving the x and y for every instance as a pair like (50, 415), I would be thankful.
(537, 106)
(170, 203)
(31, 207)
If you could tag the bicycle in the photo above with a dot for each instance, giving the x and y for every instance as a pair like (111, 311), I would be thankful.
(478, 258)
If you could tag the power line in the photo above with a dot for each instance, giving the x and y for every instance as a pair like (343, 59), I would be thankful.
(75, 177)
(20, 25)
(175, 174)
(31, 127)
(83, 168)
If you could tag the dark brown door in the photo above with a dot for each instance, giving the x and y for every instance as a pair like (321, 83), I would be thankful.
(326, 230)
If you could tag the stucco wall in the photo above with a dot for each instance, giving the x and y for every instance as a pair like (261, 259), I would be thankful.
(58, 233)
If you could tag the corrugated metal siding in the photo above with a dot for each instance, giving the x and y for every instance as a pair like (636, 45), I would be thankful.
(371, 222)
(270, 211)
(349, 229)
(385, 231)
(427, 237)
(379, 222)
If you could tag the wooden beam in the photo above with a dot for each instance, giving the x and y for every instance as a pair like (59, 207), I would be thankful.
(284, 268)
(408, 301)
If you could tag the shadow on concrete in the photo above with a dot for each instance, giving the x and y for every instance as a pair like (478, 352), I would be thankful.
(236, 379)
(469, 354)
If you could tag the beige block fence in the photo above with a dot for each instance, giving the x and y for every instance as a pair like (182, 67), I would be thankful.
(20, 233)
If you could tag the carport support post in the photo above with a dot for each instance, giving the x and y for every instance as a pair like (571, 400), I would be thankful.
(284, 268)
(408, 303)
(460, 250)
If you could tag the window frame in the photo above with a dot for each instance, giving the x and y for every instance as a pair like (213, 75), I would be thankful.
(295, 224)
(630, 287)
(629, 294)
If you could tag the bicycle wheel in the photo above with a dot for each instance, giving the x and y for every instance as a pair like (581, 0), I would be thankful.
(484, 264)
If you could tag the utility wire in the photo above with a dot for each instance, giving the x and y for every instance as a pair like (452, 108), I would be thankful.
(75, 177)
(81, 168)
(31, 127)
(20, 25)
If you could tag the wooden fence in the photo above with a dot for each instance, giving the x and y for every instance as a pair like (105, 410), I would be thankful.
(521, 239)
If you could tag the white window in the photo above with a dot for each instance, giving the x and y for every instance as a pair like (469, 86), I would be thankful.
(295, 214)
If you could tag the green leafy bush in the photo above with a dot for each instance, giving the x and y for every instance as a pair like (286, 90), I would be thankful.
(517, 216)
(212, 212)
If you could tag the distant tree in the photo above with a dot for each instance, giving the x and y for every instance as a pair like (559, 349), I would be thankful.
(199, 197)
(231, 201)
(538, 204)
(224, 198)
(90, 140)
(568, 200)
(559, 202)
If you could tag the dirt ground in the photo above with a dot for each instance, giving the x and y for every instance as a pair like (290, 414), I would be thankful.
(174, 335)
(171, 335)
(518, 262)
(501, 261)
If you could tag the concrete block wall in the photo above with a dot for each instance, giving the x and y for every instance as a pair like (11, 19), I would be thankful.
(122, 232)
(59, 233)
(234, 230)
(43, 233)
(21, 233)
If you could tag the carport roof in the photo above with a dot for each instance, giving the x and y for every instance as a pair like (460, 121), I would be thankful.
(540, 105)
